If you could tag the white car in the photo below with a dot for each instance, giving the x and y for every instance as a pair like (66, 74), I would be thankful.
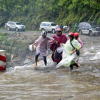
(11, 25)
(90, 28)
(48, 26)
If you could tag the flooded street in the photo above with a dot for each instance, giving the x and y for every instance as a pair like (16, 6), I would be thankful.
(21, 83)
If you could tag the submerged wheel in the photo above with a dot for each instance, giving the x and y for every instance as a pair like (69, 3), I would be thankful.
(80, 32)
(16, 29)
(91, 33)
(43, 29)
(8, 28)
(53, 31)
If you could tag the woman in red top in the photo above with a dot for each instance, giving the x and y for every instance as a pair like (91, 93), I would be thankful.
(58, 39)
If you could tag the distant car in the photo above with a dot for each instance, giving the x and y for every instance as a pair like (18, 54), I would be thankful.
(48, 26)
(89, 28)
(11, 25)
(66, 29)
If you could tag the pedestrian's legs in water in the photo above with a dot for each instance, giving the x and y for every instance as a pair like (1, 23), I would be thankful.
(36, 58)
(45, 60)
(71, 67)
(77, 65)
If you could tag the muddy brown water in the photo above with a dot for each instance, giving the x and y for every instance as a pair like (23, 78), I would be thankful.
(56, 84)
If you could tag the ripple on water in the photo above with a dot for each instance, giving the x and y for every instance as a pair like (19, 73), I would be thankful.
(25, 83)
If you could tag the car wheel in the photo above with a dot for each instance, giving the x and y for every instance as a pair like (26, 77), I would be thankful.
(65, 30)
(53, 31)
(8, 28)
(68, 31)
(91, 33)
(16, 29)
(24, 30)
(43, 29)
(80, 32)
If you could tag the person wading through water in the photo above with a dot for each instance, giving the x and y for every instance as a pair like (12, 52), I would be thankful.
(42, 47)
(58, 39)
(70, 56)
(75, 45)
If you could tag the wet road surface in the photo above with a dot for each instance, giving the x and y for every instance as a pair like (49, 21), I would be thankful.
(20, 83)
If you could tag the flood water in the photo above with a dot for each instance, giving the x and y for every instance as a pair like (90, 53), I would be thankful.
(20, 83)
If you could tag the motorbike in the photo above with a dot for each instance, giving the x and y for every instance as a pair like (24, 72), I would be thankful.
(66, 29)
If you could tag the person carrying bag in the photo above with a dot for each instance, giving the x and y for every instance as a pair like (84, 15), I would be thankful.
(77, 51)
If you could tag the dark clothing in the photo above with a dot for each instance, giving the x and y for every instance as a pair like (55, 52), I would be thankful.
(56, 57)
(71, 66)
(61, 27)
(44, 58)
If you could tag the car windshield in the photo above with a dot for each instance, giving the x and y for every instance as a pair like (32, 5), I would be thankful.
(18, 23)
(53, 24)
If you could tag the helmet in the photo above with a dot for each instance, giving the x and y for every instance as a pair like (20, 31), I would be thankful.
(71, 34)
(43, 33)
(58, 29)
(76, 34)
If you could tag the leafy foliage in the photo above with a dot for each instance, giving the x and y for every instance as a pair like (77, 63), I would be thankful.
(32, 12)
